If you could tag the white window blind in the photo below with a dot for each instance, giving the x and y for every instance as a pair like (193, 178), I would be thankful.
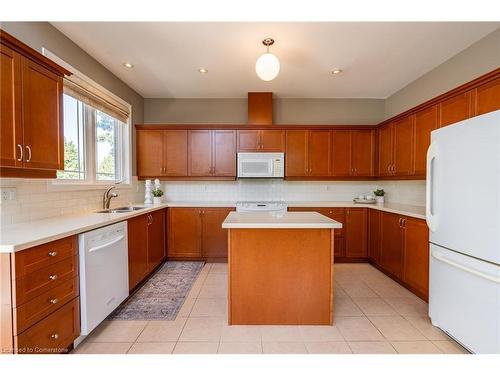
(87, 93)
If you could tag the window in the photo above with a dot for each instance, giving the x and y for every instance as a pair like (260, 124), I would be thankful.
(94, 145)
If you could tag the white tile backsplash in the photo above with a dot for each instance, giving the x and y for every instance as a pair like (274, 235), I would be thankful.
(35, 200)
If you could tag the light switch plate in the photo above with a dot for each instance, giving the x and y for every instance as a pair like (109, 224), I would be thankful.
(8, 194)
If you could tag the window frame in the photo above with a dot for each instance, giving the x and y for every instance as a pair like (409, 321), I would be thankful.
(91, 182)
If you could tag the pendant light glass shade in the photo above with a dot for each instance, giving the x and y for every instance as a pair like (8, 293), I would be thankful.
(267, 67)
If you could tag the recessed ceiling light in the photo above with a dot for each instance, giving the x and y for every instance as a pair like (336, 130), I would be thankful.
(128, 65)
(336, 71)
(203, 70)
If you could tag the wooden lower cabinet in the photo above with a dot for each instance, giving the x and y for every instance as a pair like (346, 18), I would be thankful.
(391, 244)
(416, 255)
(399, 245)
(214, 237)
(196, 232)
(374, 226)
(146, 245)
(39, 298)
(355, 232)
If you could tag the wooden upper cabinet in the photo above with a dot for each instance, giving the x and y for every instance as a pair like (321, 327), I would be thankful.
(261, 140)
(137, 250)
(11, 132)
(296, 157)
(425, 123)
(374, 226)
(150, 161)
(200, 153)
(403, 145)
(363, 153)
(488, 97)
(320, 148)
(184, 232)
(260, 108)
(175, 151)
(224, 153)
(416, 255)
(355, 232)
(391, 244)
(42, 117)
(248, 140)
(272, 140)
(214, 237)
(455, 109)
(385, 149)
(341, 153)
(156, 239)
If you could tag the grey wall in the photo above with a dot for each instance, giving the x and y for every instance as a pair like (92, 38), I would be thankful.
(286, 111)
(476, 60)
(43, 34)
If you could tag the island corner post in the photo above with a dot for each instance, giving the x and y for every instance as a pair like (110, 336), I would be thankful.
(280, 276)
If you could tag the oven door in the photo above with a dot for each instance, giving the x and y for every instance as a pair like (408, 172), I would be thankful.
(255, 165)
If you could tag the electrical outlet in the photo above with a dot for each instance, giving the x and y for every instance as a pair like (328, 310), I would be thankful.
(8, 194)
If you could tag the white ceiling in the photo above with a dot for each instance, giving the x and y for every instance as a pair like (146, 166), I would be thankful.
(377, 59)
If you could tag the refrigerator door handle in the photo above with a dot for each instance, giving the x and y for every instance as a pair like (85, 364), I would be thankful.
(429, 209)
(439, 256)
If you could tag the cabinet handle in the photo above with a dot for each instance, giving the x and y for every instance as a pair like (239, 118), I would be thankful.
(151, 219)
(399, 221)
(52, 253)
(403, 223)
(54, 336)
(53, 277)
(29, 154)
(20, 152)
(54, 301)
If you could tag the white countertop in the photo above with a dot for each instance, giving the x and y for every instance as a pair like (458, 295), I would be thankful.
(290, 220)
(21, 236)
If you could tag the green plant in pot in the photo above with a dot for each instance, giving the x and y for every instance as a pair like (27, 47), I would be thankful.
(157, 194)
(379, 195)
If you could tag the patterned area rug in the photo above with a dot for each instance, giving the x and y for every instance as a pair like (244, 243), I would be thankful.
(162, 296)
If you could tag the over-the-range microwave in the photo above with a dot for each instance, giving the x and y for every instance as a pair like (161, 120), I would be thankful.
(261, 164)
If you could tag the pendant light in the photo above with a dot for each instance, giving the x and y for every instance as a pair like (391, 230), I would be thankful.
(267, 66)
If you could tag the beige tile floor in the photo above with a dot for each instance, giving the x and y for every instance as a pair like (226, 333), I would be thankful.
(373, 314)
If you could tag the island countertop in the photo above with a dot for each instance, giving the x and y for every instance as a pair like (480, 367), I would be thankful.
(287, 220)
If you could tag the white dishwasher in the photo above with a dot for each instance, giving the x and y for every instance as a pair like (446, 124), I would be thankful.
(103, 273)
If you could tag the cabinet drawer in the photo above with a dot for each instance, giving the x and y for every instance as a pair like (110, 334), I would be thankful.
(36, 283)
(52, 334)
(39, 307)
(31, 260)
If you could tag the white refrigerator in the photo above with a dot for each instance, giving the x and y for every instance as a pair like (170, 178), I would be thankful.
(463, 215)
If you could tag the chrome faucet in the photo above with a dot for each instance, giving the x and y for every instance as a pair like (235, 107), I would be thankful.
(106, 198)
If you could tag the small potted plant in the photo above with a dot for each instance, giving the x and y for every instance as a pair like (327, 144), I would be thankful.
(157, 194)
(379, 195)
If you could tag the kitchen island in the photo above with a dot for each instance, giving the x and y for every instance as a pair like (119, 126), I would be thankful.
(280, 268)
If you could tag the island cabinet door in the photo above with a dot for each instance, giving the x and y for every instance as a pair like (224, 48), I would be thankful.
(214, 237)
(416, 255)
(184, 232)
(391, 244)
(296, 156)
(355, 233)
(156, 239)
(137, 233)
(374, 217)
(200, 153)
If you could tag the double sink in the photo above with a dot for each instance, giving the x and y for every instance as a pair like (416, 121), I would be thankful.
(121, 210)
